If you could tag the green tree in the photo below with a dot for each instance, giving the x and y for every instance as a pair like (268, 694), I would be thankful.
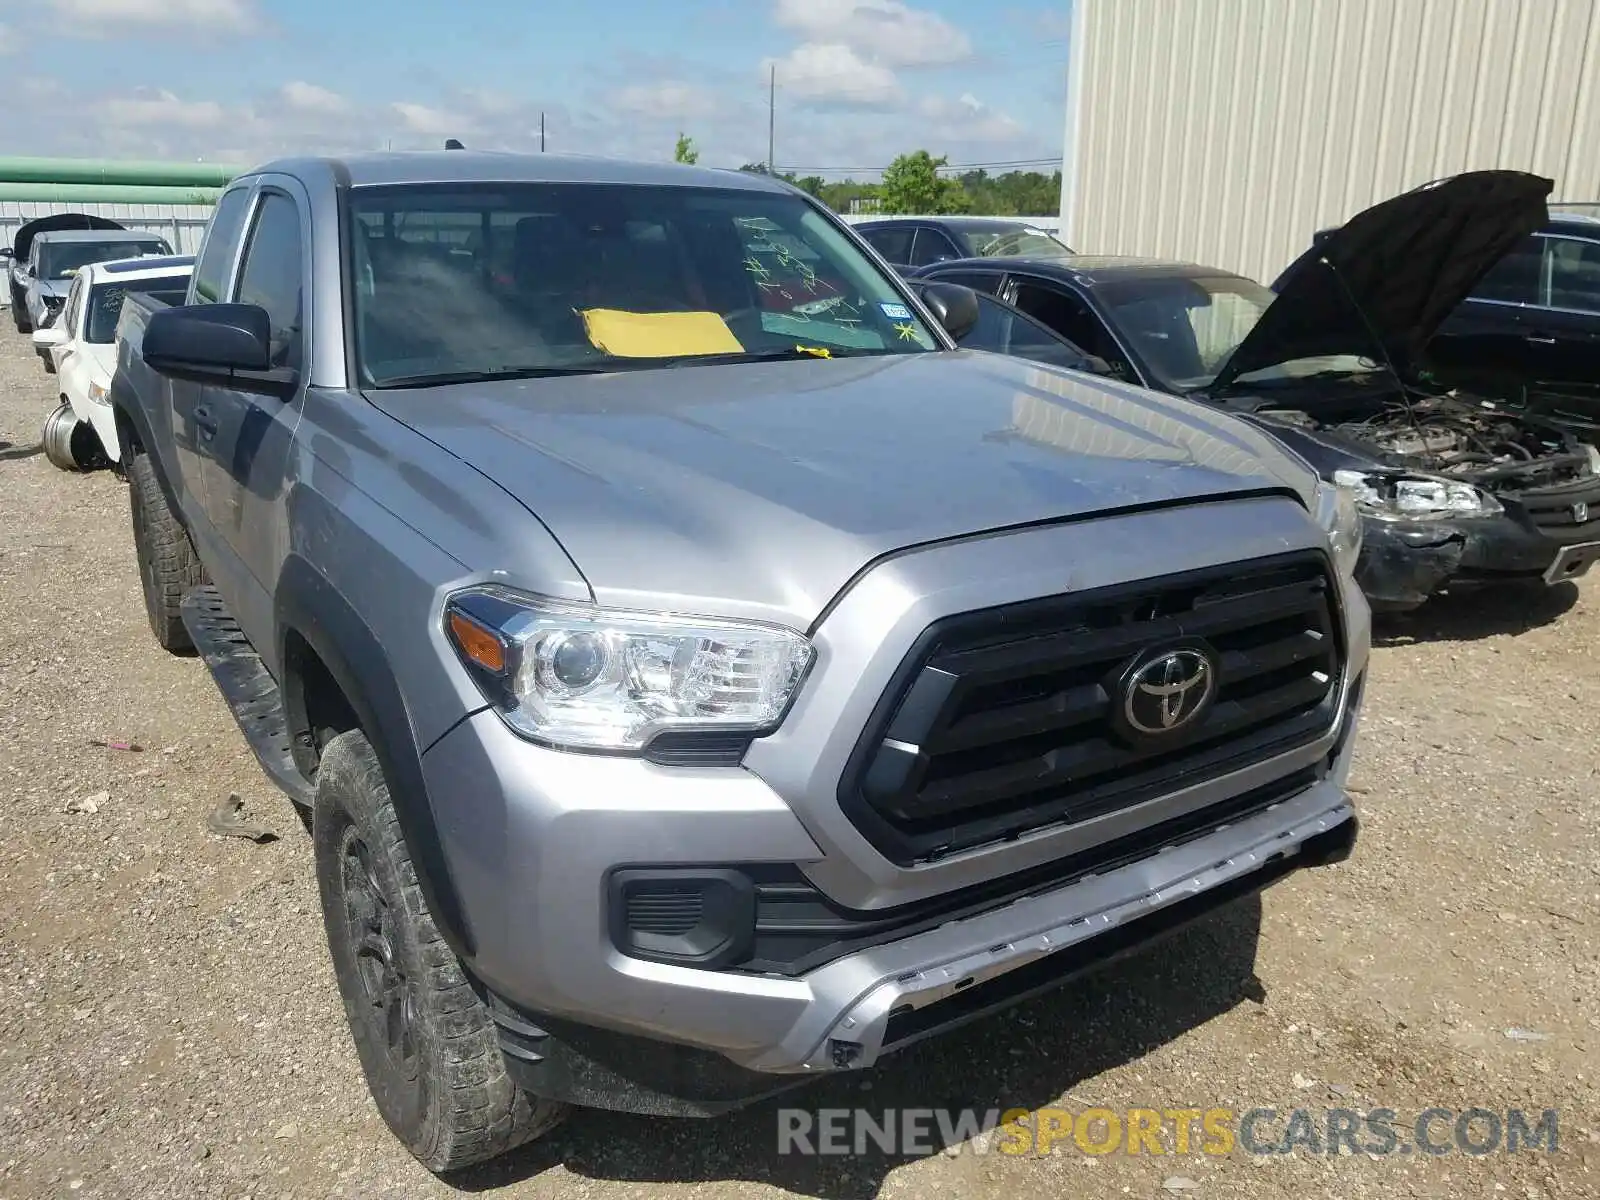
(912, 184)
(686, 152)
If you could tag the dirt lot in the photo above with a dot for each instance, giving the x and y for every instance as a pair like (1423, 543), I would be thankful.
(169, 1024)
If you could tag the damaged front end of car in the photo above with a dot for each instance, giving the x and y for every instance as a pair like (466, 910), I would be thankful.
(1457, 491)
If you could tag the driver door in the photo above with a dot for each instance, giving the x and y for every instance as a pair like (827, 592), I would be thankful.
(245, 435)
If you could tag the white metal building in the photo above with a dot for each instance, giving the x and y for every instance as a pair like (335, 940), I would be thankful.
(1227, 131)
(181, 224)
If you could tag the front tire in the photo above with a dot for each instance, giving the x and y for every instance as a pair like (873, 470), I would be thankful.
(169, 569)
(424, 1036)
(19, 314)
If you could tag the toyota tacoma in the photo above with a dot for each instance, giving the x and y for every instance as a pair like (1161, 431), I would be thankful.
(694, 694)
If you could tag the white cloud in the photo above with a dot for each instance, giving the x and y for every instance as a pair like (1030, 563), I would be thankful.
(230, 16)
(434, 122)
(830, 73)
(968, 118)
(305, 97)
(151, 107)
(886, 31)
(668, 99)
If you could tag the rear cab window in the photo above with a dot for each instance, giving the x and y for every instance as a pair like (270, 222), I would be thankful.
(104, 308)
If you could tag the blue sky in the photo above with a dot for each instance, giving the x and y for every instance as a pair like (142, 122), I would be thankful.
(858, 80)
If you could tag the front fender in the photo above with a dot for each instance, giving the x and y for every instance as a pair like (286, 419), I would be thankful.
(308, 605)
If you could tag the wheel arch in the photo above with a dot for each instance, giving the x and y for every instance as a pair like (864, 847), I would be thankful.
(324, 644)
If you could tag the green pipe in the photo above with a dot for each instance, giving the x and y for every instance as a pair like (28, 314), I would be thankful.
(93, 193)
(113, 171)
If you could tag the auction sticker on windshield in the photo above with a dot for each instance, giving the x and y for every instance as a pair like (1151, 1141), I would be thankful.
(896, 312)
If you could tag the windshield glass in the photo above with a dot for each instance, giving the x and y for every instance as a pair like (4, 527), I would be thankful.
(992, 241)
(1185, 329)
(502, 278)
(105, 303)
(57, 258)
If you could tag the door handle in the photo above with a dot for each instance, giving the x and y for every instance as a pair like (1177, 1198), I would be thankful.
(205, 422)
(1541, 339)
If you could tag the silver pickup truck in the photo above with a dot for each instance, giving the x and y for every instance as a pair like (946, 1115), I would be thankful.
(698, 674)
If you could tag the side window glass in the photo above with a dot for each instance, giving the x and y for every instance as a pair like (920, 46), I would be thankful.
(271, 275)
(222, 239)
(1072, 320)
(986, 282)
(1515, 278)
(70, 321)
(930, 247)
(1574, 274)
(1003, 330)
(894, 244)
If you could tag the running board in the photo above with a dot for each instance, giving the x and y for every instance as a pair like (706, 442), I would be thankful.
(249, 689)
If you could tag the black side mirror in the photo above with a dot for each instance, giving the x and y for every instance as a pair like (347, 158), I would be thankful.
(215, 343)
(953, 306)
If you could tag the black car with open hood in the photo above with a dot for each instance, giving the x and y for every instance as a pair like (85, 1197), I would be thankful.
(1456, 488)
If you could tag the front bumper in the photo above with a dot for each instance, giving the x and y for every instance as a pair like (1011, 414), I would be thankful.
(563, 991)
(1403, 563)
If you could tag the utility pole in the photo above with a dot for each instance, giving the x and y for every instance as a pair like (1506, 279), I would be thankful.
(772, 117)
(541, 133)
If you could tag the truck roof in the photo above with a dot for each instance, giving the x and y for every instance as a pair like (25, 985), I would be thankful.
(478, 166)
(96, 235)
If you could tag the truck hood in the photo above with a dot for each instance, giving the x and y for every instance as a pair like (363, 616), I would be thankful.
(758, 490)
(1393, 272)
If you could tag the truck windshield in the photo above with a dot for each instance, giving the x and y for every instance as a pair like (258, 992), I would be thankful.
(57, 258)
(498, 279)
(105, 303)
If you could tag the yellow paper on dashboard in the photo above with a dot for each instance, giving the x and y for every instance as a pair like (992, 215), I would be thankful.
(658, 335)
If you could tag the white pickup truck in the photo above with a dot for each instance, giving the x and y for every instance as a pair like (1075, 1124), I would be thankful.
(81, 344)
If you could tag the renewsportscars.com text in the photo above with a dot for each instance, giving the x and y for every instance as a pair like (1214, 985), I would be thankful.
(1378, 1132)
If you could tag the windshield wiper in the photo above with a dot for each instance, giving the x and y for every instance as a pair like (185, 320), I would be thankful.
(490, 375)
(786, 354)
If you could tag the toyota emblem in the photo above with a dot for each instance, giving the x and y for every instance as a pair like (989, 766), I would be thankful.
(1169, 691)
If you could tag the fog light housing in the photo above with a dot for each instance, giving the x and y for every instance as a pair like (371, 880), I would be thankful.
(692, 917)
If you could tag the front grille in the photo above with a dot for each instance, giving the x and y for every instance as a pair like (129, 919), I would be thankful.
(1568, 512)
(1003, 721)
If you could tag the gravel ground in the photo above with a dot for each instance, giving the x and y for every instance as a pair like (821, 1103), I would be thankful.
(169, 1024)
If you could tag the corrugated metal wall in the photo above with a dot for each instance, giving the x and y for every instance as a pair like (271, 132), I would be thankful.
(180, 224)
(1227, 131)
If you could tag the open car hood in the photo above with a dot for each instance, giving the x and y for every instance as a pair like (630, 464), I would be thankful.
(22, 243)
(1393, 273)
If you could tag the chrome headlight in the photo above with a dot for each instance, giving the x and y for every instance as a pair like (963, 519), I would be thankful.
(587, 678)
(1399, 495)
(1337, 514)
